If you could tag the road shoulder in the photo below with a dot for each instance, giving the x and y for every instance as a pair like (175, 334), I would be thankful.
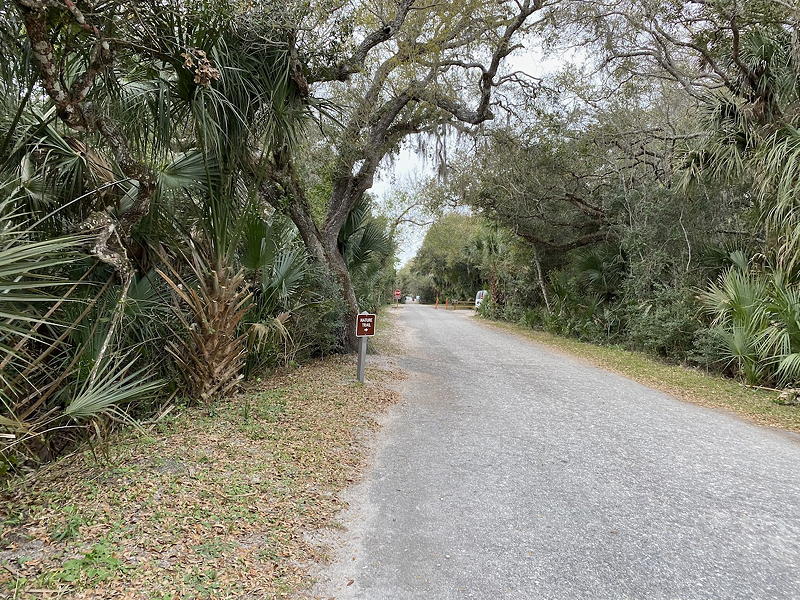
(341, 542)
(687, 384)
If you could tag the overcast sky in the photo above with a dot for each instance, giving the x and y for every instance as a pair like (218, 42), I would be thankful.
(407, 166)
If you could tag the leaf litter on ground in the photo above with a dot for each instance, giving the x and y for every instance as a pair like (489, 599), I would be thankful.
(207, 505)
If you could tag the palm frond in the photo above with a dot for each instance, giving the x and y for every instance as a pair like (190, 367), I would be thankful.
(114, 385)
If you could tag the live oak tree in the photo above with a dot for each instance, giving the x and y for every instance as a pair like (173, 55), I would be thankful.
(407, 68)
(401, 68)
(160, 129)
(561, 182)
(546, 191)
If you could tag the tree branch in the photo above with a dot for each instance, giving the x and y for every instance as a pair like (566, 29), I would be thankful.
(355, 62)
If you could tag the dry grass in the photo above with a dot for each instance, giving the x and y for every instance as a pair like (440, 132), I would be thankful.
(688, 384)
(206, 506)
(389, 339)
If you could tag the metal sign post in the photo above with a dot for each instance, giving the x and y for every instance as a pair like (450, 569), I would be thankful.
(365, 327)
(362, 359)
(397, 295)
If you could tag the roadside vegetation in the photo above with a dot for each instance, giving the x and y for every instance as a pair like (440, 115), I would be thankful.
(184, 196)
(197, 504)
(141, 261)
(652, 209)
(184, 215)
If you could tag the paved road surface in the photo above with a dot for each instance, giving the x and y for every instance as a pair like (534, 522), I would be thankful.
(512, 472)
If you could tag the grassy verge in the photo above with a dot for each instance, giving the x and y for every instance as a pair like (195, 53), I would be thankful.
(685, 383)
(203, 505)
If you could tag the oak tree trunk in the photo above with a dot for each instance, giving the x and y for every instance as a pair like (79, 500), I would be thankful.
(338, 268)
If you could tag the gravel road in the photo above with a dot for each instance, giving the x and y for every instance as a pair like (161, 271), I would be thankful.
(513, 472)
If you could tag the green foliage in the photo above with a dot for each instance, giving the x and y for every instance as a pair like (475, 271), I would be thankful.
(98, 565)
(29, 263)
(756, 318)
(53, 376)
(319, 328)
(204, 112)
(600, 269)
(667, 325)
(70, 528)
(413, 284)
(107, 389)
(444, 258)
(750, 125)
(277, 270)
(368, 250)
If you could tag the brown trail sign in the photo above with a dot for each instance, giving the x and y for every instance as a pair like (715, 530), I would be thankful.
(365, 327)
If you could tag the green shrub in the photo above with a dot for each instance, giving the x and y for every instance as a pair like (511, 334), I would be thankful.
(533, 317)
(488, 308)
(666, 325)
(318, 327)
(756, 321)
(512, 312)
(705, 351)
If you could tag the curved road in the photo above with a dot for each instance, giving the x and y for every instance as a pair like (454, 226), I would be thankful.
(513, 472)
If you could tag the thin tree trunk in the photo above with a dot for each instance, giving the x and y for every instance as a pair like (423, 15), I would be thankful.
(540, 277)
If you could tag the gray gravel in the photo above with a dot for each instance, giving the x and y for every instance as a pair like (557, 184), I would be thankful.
(513, 472)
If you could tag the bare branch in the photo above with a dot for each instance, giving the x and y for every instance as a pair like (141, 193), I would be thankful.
(355, 62)
(487, 81)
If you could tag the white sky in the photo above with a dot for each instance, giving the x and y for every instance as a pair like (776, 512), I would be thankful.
(409, 166)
